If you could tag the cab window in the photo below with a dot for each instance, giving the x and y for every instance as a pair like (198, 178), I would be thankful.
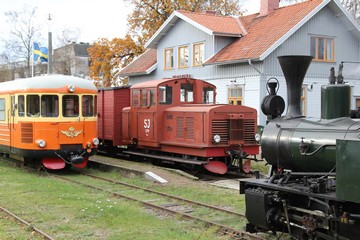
(186, 92)
(33, 106)
(49, 106)
(209, 95)
(87, 106)
(165, 95)
(147, 97)
(70, 106)
(135, 98)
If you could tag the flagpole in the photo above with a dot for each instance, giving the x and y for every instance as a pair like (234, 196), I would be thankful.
(32, 61)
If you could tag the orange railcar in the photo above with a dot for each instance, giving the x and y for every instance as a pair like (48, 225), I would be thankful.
(49, 120)
(177, 120)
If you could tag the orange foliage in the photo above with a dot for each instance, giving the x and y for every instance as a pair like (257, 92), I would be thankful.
(108, 57)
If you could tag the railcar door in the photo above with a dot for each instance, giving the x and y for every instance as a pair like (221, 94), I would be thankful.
(11, 122)
(146, 118)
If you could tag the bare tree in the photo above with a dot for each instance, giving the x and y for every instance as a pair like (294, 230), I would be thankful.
(353, 7)
(67, 36)
(22, 34)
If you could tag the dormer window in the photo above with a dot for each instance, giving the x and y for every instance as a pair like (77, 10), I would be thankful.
(322, 48)
(198, 54)
(183, 56)
(168, 59)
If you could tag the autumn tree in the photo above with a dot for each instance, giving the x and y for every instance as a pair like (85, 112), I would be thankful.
(149, 15)
(108, 57)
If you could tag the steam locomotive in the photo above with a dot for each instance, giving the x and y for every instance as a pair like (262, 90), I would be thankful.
(313, 191)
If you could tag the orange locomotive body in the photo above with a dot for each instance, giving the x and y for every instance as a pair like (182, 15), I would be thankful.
(49, 120)
(177, 120)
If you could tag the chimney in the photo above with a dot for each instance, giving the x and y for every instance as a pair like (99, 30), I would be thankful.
(210, 12)
(267, 6)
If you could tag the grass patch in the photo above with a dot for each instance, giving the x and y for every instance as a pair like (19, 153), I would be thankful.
(68, 211)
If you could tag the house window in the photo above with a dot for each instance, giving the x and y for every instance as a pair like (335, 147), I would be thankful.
(183, 56)
(169, 59)
(235, 96)
(303, 100)
(322, 48)
(198, 54)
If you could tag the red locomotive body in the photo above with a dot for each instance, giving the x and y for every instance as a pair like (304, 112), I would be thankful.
(177, 120)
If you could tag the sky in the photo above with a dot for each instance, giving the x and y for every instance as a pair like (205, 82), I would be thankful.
(95, 18)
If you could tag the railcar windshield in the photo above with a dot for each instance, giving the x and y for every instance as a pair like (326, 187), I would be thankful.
(70, 106)
(49, 106)
(88, 106)
(33, 106)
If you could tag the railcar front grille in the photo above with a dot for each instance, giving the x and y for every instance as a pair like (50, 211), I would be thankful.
(221, 128)
(235, 130)
(249, 131)
(27, 133)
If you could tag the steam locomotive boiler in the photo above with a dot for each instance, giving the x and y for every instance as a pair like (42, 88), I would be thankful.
(313, 192)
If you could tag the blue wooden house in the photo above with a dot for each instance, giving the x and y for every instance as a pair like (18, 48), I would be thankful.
(239, 55)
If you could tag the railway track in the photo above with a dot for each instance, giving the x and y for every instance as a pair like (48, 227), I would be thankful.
(168, 204)
(27, 224)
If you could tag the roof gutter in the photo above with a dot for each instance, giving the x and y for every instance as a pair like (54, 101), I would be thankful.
(231, 62)
(254, 67)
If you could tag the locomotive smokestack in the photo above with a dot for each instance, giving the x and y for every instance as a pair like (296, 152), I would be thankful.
(294, 69)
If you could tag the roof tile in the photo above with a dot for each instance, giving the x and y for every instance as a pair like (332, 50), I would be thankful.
(140, 65)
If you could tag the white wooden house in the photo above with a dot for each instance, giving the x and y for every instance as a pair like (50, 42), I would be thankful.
(239, 55)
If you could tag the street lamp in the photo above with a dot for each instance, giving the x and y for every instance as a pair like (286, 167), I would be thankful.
(50, 67)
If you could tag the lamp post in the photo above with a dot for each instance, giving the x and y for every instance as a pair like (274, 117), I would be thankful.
(50, 64)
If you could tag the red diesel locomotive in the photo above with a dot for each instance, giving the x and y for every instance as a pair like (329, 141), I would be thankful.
(177, 120)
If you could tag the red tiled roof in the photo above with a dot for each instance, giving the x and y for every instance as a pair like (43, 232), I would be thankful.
(263, 32)
(259, 34)
(218, 24)
(142, 64)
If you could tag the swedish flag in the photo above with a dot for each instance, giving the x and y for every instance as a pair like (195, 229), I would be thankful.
(40, 53)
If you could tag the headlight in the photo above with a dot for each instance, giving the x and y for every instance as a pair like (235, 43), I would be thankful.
(257, 137)
(71, 88)
(96, 141)
(41, 143)
(217, 138)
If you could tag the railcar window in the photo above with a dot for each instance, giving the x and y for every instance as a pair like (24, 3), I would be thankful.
(70, 106)
(21, 106)
(186, 92)
(165, 95)
(2, 109)
(49, 106)
(33, 106)
(95, 105)
(209, 95)
(135, 98)
(87, 106)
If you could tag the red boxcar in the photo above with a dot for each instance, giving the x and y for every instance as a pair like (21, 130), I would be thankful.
(110, 103)
(177, 120)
